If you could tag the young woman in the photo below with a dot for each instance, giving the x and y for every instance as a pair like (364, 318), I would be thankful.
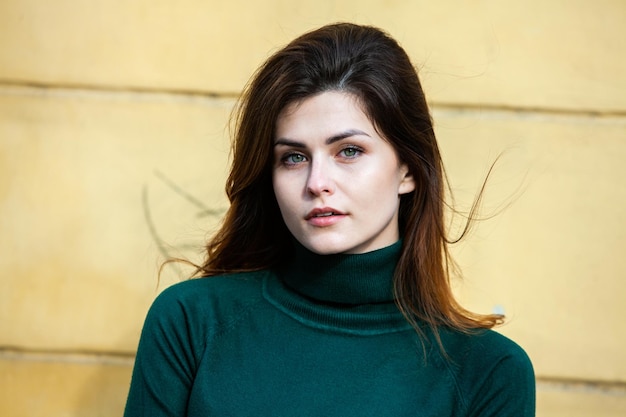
(326, 292)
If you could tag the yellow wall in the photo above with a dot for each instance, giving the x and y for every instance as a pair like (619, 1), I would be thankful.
(113, 152)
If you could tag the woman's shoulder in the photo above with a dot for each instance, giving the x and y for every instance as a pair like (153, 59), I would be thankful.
(491, 370)
(215, 286)
(209, 299)
(484, 347)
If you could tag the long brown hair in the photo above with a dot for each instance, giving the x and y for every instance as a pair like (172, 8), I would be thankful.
(368, 63)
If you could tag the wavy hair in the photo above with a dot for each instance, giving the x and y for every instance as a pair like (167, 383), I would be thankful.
(366, 62)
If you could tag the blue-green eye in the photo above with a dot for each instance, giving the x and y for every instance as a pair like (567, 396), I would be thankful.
(350, 151)
(293, 158)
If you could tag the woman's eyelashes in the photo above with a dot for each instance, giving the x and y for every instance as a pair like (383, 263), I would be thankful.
(348, 152)
(351, 151)
(293, 158)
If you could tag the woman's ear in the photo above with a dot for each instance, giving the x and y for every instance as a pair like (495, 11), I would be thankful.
(407, 182)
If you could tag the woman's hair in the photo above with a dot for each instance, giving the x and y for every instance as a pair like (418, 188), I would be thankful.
(367, 63)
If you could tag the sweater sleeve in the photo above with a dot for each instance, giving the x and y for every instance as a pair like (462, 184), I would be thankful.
(505, 386)
(166, 359)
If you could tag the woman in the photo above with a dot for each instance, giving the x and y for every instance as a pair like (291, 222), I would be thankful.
(325, 292)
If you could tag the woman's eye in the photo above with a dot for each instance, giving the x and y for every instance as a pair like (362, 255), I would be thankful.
(293, 158)
(350, 152)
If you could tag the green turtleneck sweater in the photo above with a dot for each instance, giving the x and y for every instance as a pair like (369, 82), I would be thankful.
(320, 336)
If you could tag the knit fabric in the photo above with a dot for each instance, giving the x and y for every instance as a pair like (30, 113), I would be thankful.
(319, 336)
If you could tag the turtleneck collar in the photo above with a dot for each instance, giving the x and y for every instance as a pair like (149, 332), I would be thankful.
(345, 279)
(350, 294)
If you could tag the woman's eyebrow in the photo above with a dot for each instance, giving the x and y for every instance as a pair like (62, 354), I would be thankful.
(335, 138)
(343, 135)
(289, 142)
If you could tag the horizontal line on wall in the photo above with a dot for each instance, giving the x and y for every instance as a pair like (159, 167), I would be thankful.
(118, 88)
(493, 112)
(114, 93)
(17, 87)
(8, 353)
(616, 388)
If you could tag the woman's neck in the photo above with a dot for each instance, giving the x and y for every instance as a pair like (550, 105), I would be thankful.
(343, 278)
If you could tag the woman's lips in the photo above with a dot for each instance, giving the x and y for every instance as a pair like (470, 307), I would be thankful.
(325, 216)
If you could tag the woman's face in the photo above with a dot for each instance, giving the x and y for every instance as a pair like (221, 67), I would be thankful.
(337, 181)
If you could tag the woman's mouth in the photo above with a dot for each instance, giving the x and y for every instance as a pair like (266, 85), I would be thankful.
(322, 217)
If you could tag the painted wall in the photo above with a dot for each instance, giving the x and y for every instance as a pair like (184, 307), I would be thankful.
(114, 151)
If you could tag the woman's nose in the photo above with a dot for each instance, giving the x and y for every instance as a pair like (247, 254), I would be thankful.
(320, 179)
